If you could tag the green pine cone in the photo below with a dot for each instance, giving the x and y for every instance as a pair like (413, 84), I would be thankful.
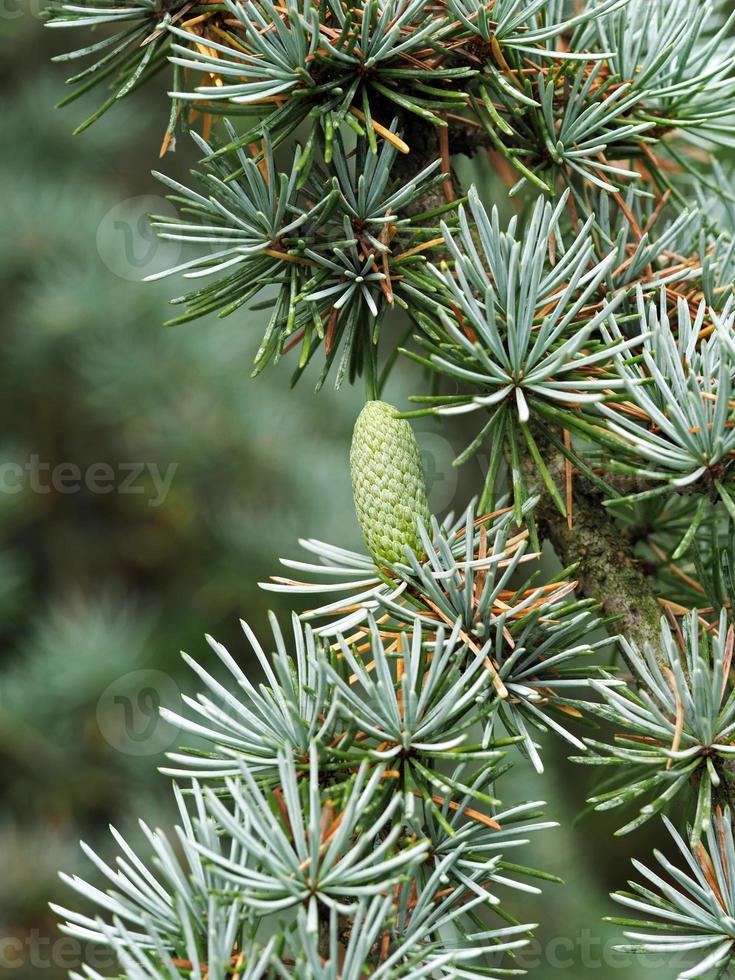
(387, 482)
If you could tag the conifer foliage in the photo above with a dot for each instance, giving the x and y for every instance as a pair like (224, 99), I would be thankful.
(353, 813)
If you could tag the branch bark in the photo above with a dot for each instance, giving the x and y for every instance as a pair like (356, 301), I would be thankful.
(608, 570)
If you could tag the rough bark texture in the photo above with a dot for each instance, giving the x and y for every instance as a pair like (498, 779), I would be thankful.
(608, 570)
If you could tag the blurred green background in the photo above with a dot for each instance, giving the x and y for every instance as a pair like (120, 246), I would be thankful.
(146, 485)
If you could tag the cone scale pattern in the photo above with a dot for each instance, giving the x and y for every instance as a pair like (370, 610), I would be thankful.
(387, 482)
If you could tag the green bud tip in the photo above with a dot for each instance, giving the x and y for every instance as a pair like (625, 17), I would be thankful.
(387, 482)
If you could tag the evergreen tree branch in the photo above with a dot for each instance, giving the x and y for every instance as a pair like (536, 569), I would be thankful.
(344, 790)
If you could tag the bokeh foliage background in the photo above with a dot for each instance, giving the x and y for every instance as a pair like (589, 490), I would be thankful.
(100, 591)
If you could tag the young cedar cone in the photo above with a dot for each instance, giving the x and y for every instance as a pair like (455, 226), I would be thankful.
(387, 482)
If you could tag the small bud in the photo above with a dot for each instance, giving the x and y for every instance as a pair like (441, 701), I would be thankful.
(387, 482)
